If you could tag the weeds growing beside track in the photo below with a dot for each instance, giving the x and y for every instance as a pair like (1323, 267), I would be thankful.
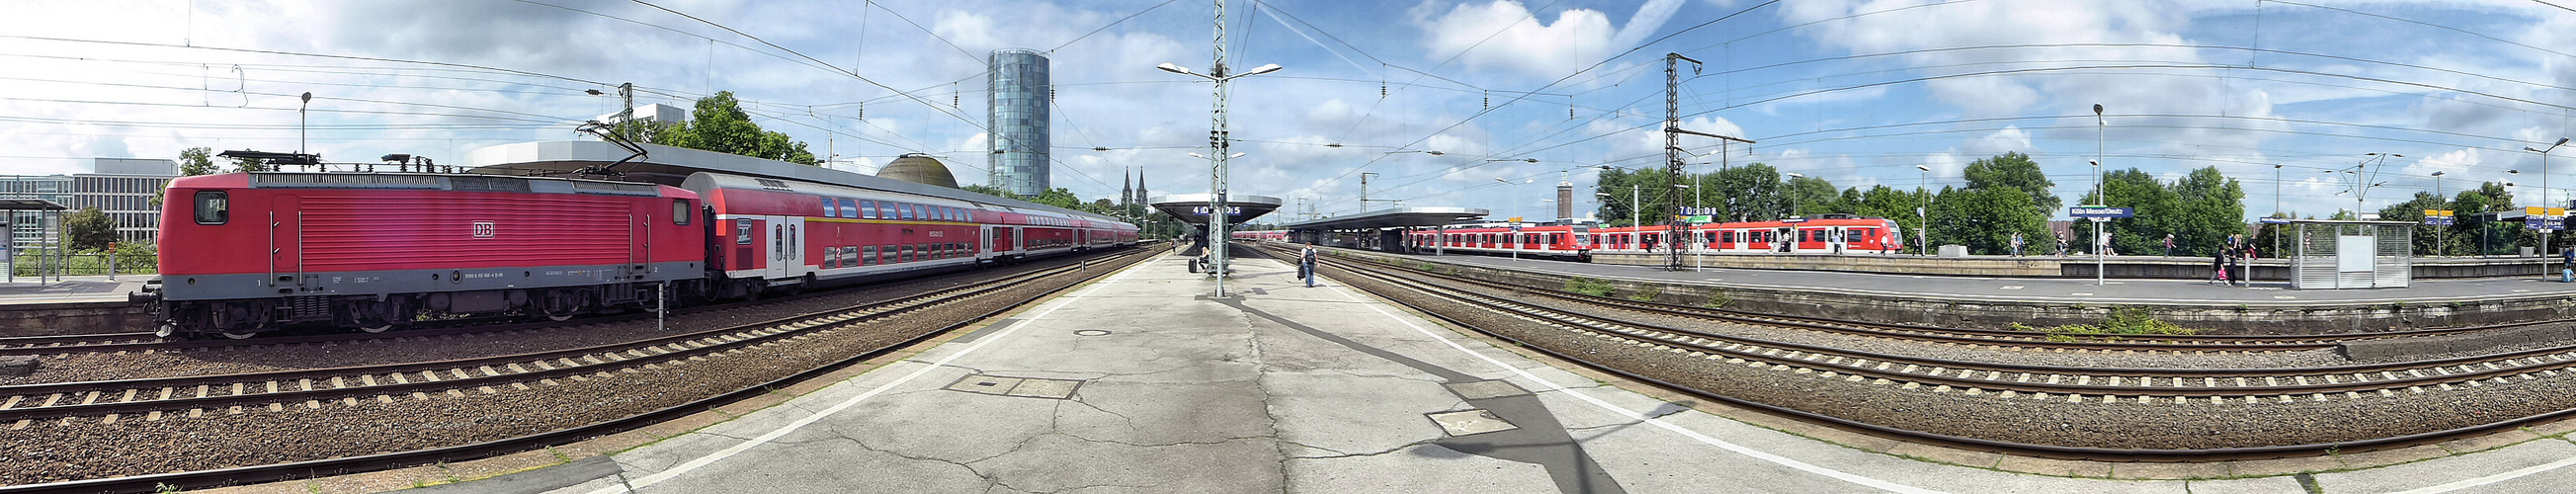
(2122, 321)
(1589, 286)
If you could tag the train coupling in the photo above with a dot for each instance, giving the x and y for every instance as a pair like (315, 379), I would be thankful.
(150, 293)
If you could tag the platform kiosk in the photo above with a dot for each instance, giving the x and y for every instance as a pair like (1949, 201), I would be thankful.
(1381, 230)
(2339, 254)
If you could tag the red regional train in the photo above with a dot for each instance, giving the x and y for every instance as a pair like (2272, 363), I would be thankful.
(380, 250)
(1827, 234)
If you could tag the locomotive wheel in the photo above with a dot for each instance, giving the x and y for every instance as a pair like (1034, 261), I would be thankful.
(376, 329)
(561, 318)
(238, 336)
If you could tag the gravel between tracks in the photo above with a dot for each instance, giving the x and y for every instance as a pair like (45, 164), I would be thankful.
(82, 366)
(1923, 349)
(87, 447)
(2160, 424)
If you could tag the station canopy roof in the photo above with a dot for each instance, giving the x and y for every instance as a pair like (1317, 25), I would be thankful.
(1411, 216)
(1193, 208)
(30, 205)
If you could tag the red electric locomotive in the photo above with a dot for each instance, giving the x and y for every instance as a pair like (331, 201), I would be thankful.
(249, 252)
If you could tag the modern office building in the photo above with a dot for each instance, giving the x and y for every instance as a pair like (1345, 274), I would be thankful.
(1019, 102)
(121, 187)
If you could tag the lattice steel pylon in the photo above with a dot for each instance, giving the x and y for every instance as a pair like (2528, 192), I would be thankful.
(1673, 163)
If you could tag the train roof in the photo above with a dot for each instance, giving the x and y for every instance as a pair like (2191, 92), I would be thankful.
(672, 166)
(732, 181)
(428, 181)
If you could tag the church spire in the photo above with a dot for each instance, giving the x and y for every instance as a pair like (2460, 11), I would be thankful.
(1126, 188)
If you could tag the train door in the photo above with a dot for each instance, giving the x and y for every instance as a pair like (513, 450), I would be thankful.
(1834, 239)
(286, 241)
(786, 247)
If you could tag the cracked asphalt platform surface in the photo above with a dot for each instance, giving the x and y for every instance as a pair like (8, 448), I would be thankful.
(1283, 388)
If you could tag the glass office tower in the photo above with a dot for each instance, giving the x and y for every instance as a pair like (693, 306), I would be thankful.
(1019, 102)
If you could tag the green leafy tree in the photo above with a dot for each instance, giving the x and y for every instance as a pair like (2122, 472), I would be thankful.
(1984, 219)
(1810, 196)
(718, 124)
(1747, 193)
(90, 229)
(2016, 171)
(987, 190)
(1618, 203)
(1894, 204)
(198, 161)
(1059, 197)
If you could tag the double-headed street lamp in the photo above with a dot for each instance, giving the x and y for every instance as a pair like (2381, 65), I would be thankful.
(2544, 201)
(1219, 144)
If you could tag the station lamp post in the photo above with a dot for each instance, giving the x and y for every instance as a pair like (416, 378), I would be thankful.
(1793, 201)
(1219, 144)
(2441, 233)
(2544, 202)
(1923, 235)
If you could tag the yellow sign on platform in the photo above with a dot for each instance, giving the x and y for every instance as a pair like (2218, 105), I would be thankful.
(1516, 219)
(2541, 211)
(2437, 213)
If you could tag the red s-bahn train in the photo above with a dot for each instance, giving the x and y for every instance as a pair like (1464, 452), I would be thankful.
(246, 253)
(1826, 234)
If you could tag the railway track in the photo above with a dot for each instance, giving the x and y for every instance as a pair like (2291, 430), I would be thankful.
(2069, 386)
(1985, 337)
(198, 395)
(778, 332)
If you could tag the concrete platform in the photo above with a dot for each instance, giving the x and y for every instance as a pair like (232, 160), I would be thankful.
(1144, 384)
(69, 289)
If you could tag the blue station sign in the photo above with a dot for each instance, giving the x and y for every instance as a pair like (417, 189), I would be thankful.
(2100, 212)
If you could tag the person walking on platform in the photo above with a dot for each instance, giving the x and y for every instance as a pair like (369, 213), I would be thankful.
(1306, 266)
(2168, 245)
(2016, 244)
(2218, 266)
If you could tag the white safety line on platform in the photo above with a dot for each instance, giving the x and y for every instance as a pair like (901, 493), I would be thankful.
(1658, 422)
(809, 419)
(2490, 479)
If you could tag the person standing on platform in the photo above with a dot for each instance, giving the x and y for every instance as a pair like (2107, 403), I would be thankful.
(2567, 258)
(2016, 244)
(1306, 266)
(2218, 266)
(2061, 244)
(2168, 245)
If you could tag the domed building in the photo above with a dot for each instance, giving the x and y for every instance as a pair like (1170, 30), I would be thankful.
(920, 169)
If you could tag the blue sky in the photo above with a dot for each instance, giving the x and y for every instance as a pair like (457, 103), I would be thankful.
(1856, 92)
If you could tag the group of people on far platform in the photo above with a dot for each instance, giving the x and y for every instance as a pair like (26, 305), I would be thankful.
(2227, 267)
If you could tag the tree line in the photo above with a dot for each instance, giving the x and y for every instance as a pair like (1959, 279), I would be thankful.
(2008, 193)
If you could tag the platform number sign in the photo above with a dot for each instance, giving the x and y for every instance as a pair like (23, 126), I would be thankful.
(484, 229)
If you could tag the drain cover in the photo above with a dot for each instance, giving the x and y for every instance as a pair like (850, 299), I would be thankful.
(1029, 387)
(1091, 332)
(1470, 422)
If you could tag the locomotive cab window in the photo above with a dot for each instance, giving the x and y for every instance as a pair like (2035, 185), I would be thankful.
(213, 207)
(680, 212)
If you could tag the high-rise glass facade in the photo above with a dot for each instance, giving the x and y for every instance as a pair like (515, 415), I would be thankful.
(1018, 104)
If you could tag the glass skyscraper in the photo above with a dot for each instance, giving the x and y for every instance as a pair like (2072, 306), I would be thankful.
(1018, 121)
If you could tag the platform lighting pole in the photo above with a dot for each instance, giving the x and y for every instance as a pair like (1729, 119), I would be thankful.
(1220, 143)
(2544, 202)
(2276, 209)
(1922, 218)
(2443, 233)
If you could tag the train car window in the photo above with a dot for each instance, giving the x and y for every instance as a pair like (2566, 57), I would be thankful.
(868, 209)
(831, 257)
(213, 207)
(680, 212)
(849, 208)
(831, 209)
(868, 255)
(909, 213)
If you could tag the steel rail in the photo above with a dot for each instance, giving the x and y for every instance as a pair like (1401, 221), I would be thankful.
(2008, 447)
(488, 449)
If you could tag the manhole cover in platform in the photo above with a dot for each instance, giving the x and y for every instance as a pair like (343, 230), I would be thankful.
(1091, 332)
(1029, 387)
(1480, 390)
(1470, 422)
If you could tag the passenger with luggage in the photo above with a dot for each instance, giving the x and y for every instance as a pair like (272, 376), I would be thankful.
(1306, 266)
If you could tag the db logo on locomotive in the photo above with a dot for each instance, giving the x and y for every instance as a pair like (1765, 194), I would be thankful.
(484, 229)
